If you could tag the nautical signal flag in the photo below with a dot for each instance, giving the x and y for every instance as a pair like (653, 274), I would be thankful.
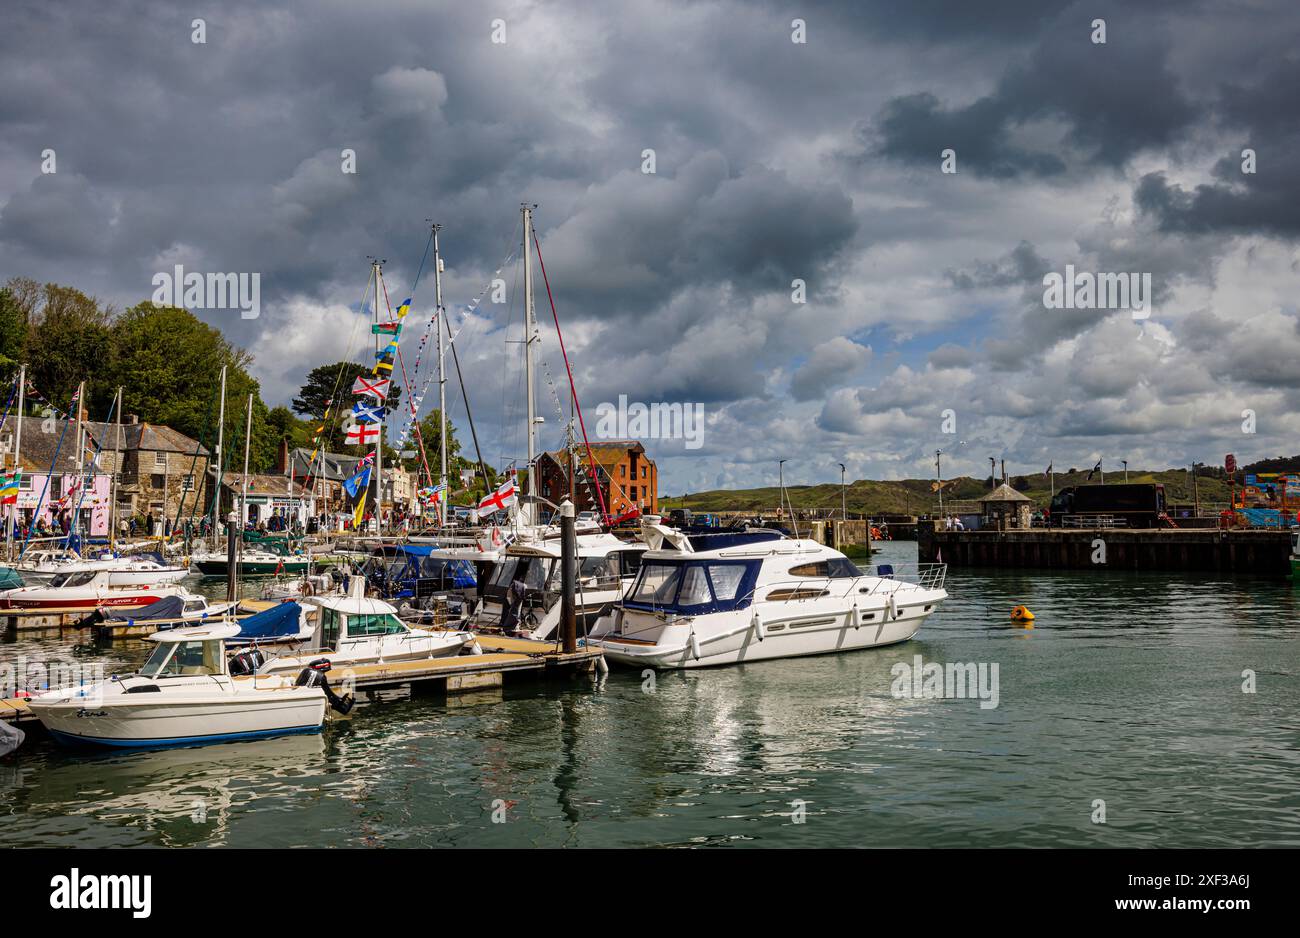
(365, 413)
(357, 482)
(404, 308)
(375, 387)
(386, 328)
(359, 515)
(388, 351)
(9, 487)
(363, 433)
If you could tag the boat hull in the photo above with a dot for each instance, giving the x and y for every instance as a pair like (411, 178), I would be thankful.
(82, 602)
(250, 568)
(169, 722)
(735, 640)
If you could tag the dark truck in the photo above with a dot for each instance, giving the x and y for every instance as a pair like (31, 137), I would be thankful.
(1134, 505)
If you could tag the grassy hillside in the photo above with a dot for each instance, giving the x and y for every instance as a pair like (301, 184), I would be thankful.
(914, 496)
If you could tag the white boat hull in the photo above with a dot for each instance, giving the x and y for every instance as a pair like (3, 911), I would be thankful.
(735, 637)
(190, 721)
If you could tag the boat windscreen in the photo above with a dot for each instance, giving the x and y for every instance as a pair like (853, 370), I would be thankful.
(694, 587)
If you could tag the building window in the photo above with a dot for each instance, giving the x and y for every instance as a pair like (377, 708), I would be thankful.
(160, 460)
(622, 471)
(156, 480)
(643, 471)
(187, 484)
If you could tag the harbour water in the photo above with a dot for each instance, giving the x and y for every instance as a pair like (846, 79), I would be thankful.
(1128, 691)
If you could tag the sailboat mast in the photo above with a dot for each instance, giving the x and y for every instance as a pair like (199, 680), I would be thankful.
(221, 436)
(248, 445)
(117, 470)
(530, 336)
(379, 440)
(75, 525)
(442, 379)
(18, 452)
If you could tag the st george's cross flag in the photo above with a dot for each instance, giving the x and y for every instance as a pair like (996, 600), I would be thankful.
(503, 497)
(363, 433)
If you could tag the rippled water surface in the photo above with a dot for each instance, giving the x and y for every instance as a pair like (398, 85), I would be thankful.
(1128, 690)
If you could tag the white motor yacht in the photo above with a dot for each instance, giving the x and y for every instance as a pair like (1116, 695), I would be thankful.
(755, 596)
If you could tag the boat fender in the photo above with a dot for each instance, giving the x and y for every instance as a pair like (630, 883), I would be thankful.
(602, 666)
(891, 606)
(756, 622)
(857, 616)
(695, 646)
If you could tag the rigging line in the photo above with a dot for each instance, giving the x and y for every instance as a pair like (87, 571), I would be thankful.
(81, 496)
(487, 486)
(424, 459)
(327, 421)
(576, 405)
(36, 513)
(5, 419)
(207, 425)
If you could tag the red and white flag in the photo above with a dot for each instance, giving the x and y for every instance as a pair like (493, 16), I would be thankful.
(375, 387)
(363, 433)
(501, 498)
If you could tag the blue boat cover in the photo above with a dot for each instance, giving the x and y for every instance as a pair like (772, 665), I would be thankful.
(276, 622)
(169, 607)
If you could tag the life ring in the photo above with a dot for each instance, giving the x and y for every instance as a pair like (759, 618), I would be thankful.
(1021, 614)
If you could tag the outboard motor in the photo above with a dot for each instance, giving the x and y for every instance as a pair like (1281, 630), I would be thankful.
(314, 676)
(246, 662)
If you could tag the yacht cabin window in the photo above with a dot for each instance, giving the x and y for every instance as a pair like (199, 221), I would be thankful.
(376, 624)
(177, 659)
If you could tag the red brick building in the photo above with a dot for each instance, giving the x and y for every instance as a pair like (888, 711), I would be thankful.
(627, 477)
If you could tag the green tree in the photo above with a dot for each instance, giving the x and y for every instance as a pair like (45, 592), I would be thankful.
(13, 332)
(68, 342)
(169, 364)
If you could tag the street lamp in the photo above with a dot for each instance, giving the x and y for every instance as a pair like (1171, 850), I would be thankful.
(844, 504)
(938, 474)
(1125, 462)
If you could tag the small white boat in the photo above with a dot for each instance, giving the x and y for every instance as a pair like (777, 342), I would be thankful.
(124, 570)
(352, 630)
(183, 695)
(766, 598)
(83, 589)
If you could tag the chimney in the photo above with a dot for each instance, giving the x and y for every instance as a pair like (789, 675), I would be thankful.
(132, 419)
(282, 458)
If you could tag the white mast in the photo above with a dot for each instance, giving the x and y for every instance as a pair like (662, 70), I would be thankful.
(530, 336)
(379, 440)
(442, 380)
(75, 525)
(248, 444)
(18, 450)
(117, 469)
(216, 480)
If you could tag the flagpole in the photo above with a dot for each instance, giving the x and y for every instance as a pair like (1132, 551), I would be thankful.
(529, 328)
(248, 444)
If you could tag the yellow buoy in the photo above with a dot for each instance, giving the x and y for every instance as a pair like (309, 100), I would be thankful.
(1022, 615)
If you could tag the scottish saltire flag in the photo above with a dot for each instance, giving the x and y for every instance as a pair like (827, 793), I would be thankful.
(365, 413)
(375, 387)
(363, 433)
(357, 483)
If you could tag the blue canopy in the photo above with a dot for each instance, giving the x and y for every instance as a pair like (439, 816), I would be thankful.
(277, 622)
(169, 607)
